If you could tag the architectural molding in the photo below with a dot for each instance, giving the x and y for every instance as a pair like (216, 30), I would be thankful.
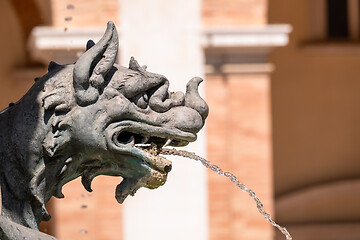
(233, 45)
(233, 68)
(262, 36)
(331, 48)
(318, 20)
(244, 49)
(61, 45)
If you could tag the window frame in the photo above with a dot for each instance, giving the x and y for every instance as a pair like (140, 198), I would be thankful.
(318, 20)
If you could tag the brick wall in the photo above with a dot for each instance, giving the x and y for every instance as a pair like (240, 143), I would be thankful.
(91, 216)
(79, 13)
(234, 12)
(239, 141)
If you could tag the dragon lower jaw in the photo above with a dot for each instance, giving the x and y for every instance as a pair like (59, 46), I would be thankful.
(129, 186)
(155, 178)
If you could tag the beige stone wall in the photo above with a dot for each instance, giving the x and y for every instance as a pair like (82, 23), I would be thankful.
(316, 113)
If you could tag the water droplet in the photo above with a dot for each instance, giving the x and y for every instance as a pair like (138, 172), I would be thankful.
(83, 231)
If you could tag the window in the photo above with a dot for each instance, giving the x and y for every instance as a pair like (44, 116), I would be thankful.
(337, 19)
(334, 19)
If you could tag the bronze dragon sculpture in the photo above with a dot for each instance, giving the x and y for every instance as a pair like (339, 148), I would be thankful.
(86, 119)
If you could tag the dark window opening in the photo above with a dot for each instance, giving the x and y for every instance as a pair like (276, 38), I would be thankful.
(337, 13)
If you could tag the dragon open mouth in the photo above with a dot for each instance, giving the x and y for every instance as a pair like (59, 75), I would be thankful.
(133, 153)
(130, 136)
(126, 137)
(144, 142)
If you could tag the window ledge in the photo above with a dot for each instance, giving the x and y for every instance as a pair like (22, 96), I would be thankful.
(331, 47)
(268, 36)
(54, 43)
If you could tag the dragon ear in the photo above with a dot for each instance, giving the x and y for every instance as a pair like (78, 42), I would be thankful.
(91, 68)
(135, 66)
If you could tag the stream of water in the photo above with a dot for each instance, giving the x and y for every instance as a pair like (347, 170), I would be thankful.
(218, 170)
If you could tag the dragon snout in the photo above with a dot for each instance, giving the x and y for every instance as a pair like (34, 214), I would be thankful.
(187, 119)
(193, 99)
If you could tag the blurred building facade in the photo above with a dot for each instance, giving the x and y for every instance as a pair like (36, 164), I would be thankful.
(284, 107)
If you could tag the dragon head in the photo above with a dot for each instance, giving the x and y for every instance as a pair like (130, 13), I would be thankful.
(87, 119)
(115, 120)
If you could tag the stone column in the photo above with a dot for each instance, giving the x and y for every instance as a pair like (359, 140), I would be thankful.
(165, 36)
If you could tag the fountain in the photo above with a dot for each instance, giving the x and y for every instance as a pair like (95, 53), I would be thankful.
(94, 118)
